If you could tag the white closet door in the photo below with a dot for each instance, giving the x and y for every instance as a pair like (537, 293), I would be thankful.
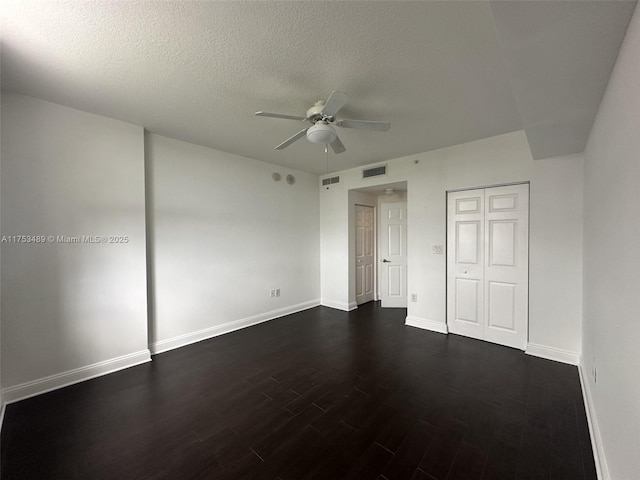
(465, 263)
(506, 274)
(487, 264)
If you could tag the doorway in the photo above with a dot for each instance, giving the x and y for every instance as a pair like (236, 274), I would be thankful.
(377, 259)
(488, 264)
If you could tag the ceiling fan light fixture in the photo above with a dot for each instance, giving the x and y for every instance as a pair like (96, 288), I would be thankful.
(322, 117)
(321, 133)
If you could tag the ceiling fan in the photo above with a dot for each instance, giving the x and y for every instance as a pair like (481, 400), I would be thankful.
(322, 117)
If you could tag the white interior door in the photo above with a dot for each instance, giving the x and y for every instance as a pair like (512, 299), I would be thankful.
(393, 254)
(487, 264)
(364, 254)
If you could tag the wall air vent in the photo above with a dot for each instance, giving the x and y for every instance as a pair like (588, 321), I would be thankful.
(330, 181)
(374, 172)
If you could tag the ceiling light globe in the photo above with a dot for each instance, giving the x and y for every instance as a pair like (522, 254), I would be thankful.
(321, 133)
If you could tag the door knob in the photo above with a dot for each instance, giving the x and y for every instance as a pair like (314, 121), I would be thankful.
(384, 260)
(465, 272)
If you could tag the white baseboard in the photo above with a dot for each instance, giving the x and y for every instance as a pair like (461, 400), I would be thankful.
(206, 333)
(64, 379)
(344, 306)
(426, 324)
(602, 470)
(551, 353)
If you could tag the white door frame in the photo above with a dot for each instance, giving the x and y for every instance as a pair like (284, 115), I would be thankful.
(375, 192)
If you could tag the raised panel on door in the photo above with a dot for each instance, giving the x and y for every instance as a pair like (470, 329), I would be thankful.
(394, 240)
(367, 247)
(465, 263)
(468, 242)
(368, 281)
(395, 281)
(501, 302)
(467, 305)
(360, 284)
(503, 242)
(507, 268)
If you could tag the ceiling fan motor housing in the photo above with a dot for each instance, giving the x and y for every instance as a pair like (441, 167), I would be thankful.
(322, 133)
(315, 113)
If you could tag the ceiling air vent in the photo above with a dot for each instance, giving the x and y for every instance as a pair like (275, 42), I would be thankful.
(374, 172)
(330, 181)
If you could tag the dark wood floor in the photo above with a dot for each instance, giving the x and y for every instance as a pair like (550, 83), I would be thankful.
(320, 394)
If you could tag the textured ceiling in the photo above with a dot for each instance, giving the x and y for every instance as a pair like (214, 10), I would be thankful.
(442, 73)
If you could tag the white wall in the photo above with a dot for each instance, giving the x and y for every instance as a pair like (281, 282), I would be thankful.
(70, 306)
(612, 266)
(556, 232)
(225, 234)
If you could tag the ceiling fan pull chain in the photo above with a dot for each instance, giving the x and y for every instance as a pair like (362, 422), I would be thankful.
(326, 152)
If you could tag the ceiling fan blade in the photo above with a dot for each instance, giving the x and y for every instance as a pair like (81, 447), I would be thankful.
(279, 115)
(364, 125)
(335, 102)
(337, 146)
(292, 139)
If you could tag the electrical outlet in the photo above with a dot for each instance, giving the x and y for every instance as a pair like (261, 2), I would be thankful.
(414, 297)
(273, 292)
(437, 249)
(277, 292)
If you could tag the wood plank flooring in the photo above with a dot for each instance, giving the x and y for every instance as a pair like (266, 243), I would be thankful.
(321, 394)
